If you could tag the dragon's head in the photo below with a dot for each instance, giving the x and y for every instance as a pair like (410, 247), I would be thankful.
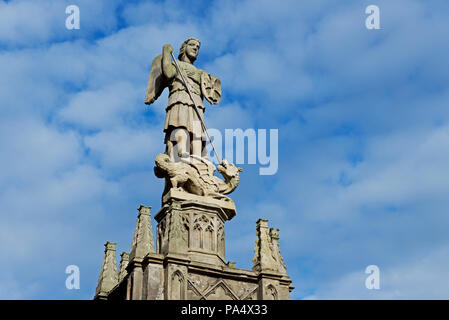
(228, 170)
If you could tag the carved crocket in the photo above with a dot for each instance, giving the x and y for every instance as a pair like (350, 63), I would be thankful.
(196, 175)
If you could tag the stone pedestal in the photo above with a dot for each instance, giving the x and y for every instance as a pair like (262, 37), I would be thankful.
(189, 226)
(189, 260)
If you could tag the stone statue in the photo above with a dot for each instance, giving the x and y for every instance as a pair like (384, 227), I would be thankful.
(197, 176)
(182, 124)
(185, 164)
(186, 260)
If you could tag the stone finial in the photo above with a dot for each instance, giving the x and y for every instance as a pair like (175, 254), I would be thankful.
(124, 259)
(263, 259)
(108, 276)
(274, 234)
(143, 242)
(267, 252)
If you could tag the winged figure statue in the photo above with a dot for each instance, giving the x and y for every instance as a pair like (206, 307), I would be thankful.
(184, 133)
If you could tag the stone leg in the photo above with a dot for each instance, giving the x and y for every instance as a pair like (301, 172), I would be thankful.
(182, 142)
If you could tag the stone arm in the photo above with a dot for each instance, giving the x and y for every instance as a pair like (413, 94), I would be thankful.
(168, 69)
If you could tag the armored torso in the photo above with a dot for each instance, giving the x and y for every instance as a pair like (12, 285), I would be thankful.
(178, 92)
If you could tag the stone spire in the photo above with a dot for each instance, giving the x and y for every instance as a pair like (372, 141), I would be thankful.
(264, 257)
(108, 276)
(123, 264)
(143, 242)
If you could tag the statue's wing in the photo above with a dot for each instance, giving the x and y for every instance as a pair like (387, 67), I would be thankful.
(156, 81)
(210, 87)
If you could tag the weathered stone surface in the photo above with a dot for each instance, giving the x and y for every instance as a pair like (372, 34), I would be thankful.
(108, 276)
(124, 259)
(267, 254)
(176, 282)
(188, 87)
(190, 261)
(195, 175)
(154, 281)
(213, 288)
(185, 164)
(274, 236)
(194, 228)
(227, 212)
(142, 245)
(143, 242)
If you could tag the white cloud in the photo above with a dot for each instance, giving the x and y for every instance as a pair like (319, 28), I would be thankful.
(125, 147)
(101, 109)
(31, 151)
(29, 23)
(422, 278)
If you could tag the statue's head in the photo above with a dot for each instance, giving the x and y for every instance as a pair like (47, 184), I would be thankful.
(189, 48)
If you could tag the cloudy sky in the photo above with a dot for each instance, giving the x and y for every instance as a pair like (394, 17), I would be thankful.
(363, 120)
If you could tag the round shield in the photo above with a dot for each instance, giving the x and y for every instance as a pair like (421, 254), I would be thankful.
(210, 87)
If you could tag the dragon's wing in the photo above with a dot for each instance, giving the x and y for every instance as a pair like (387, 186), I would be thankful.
(156, 81)
(204, 168)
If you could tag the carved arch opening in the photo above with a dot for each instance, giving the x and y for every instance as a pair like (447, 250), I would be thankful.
(177, 285)
(272, 293)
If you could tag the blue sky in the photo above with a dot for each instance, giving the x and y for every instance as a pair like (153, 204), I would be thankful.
(363, 124)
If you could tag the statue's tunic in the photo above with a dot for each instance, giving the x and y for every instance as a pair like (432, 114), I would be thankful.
(180, 110)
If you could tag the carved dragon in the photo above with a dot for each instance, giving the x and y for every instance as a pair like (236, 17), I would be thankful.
(196, 175)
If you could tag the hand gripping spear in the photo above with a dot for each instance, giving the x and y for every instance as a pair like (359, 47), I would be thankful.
(203, 125)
